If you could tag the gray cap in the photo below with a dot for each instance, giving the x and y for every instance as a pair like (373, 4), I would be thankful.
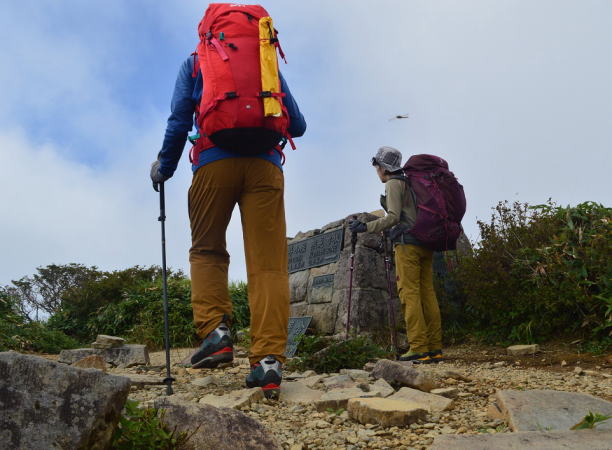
(388, 158)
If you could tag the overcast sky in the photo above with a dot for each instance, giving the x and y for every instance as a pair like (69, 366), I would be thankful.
(515, 94)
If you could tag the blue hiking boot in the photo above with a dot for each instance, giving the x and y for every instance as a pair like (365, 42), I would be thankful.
(215, 349)
(266, 374)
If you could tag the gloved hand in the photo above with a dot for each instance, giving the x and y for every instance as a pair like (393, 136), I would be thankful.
(356, 226)
(156, 176)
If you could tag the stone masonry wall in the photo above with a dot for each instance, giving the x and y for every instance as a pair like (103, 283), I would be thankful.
(322, 291)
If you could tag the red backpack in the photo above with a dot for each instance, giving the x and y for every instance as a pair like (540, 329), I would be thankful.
(241, 109)
(440, 202)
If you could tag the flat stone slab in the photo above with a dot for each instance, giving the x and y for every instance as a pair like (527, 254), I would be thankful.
(205, 381)
(105, 341)
(449, 392)
(356, 374)
(380, 388)
(430, 402)
(403, 374)
(213, 428)
(91, 362)
(312, 381)
(296, 392)
(385, 412)
(338, 381)
(236, 399)
(46, 405)
(125, 356)
(551, 440)
(144, 380)
(520, 350)
(338, 398)
(546, 410)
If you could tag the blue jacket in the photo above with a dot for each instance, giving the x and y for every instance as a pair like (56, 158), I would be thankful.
(187, 94)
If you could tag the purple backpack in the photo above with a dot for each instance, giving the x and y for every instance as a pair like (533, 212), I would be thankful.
(440, 202)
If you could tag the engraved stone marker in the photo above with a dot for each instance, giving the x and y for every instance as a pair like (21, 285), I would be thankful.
(297, 327)
(322, 289)
(316, 251)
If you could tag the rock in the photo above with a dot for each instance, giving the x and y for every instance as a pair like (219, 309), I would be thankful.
(454, 375)
(103, 341)
(519, 350)
(46, 405)
(430, 402)
(298, 393)
(563, 363)
(213, 428)
(235, 399)
(309, 373)
(380, 388)
(554, 440)
(338, 398)
(384, 411)
(445, 392)
(338, 381)
(548, 410)
(499, 364)
(402, 374)
(578, 370)
(356, 374)
(126, 356)
(494, 412)
(312, 381)
(91, 362)
(144, 380)
(205, 381)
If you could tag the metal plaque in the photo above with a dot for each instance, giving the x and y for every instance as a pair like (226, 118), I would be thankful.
(316, 251)
(297, 328)
(323, 281)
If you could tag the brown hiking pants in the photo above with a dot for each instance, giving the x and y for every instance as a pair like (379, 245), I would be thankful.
(414, 267)
(257, 186)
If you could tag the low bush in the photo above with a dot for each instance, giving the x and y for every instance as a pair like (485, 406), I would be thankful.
(541, 272)
(142, 429)
(323, 356)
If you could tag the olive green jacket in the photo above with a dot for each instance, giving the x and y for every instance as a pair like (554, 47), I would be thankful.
(398, 202)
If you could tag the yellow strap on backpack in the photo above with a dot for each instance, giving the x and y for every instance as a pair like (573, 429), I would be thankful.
(270, 80)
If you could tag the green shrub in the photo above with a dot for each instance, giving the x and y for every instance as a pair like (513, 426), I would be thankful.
(142, 429)
(240, 303)
(19, 333)
(315, 353)
(540, 272)
(139, 316)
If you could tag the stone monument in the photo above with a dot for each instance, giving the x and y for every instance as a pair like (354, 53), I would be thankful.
(319, 279)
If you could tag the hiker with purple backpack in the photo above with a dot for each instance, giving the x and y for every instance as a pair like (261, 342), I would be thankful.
(424, 205)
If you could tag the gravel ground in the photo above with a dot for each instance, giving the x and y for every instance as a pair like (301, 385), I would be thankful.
(302, 427)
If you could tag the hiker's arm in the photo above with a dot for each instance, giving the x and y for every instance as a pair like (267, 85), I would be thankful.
(393, 189)
(180, 121)
(297, 124)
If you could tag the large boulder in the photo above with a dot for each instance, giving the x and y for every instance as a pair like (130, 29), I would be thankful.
(211, 428)
(124, 356)
(537, 410)
(45, 405)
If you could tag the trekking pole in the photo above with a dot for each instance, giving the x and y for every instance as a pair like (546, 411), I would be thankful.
(162, 218)
(351, 269)
(390, 307)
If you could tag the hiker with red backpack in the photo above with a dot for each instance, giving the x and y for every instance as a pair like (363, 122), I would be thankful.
(244, 114)
(424, 205)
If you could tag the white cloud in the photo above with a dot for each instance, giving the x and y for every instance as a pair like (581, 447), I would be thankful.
(516, 95)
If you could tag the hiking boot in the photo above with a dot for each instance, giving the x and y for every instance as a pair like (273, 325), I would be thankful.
(416, 357)
(436, 356)
(215, 349)
(266, 374)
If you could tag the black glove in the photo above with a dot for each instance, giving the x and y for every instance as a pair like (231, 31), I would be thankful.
(156, 176)
(356, 226)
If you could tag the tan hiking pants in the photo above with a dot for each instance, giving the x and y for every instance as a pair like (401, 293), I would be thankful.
(257, 186)
(414, 267)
